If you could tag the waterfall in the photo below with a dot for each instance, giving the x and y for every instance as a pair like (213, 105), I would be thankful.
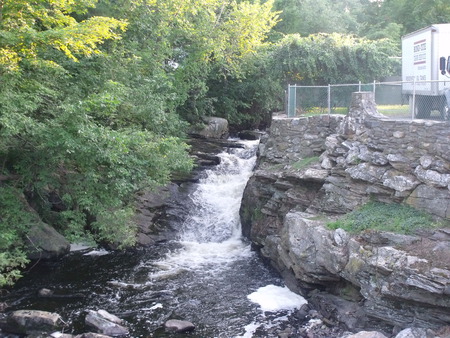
(211, 232)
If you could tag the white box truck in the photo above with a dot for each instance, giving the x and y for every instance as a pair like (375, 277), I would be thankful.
(426, 70)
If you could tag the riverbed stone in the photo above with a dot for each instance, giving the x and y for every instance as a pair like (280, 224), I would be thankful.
(59, 334)
(177, 325)
(416, 332)
(33, 322)
(365, 334)
(92, 335)
(105, 323)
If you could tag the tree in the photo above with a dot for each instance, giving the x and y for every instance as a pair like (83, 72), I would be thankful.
(91, 97)
(27, 28)
(307, 17)
(74, 143)
(394, 18)
(322, 59)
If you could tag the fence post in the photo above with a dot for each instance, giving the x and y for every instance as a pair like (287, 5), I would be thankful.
(374, 83)
(413, 106)
(292, 104)
(359, 86)
(329, 99)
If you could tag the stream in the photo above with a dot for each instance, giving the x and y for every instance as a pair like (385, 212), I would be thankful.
(209, 275)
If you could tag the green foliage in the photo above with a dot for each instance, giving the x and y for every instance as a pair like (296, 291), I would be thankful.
(14, 222)
(308, 17)
(248, 99)
(374, 19)
(394, 18)
(324, 59)
(396, 218)
(27, 28)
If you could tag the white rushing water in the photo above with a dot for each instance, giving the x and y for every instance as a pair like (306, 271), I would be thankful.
(211, 234)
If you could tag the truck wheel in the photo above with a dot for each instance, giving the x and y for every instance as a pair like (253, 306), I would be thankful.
(422, 108)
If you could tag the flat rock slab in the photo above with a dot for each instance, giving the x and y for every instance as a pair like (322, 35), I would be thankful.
(33, 321)
(106, 323)
(179, 325)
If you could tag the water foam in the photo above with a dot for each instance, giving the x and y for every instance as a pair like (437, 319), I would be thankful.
(273, 298)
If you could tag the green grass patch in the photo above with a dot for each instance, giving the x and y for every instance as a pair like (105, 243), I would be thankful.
(339, 110)
(305, 162)
(396, 218)
(321, 110)
(391, 110)
(394, 110)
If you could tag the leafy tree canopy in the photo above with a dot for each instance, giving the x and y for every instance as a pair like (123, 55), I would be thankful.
(95, 95)
(29, 27)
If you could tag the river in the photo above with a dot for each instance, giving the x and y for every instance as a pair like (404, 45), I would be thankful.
(209, 275)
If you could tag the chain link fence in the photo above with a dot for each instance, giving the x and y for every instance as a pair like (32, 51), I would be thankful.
(399, 99)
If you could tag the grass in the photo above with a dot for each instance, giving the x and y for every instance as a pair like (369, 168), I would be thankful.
(397, 218)
(304, 162)
(392, 110)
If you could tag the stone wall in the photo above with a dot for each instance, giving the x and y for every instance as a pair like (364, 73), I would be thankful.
(313, 169)
(364, 155)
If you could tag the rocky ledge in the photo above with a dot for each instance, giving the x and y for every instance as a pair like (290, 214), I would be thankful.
(311, 170)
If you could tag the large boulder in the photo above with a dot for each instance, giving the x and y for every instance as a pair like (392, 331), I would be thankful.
(33, 322)
(44, 242)
(214, 127)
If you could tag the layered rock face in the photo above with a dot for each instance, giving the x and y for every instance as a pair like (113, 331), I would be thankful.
(314, 168)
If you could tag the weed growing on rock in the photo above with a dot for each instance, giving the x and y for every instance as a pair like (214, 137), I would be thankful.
(396, 218)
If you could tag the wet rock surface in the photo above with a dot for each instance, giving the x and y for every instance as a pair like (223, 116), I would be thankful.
(176, 325)
(105, 323)
(32, 322)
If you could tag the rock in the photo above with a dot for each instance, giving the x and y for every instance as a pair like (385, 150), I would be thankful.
(433, 200)
(215, 127)
(416, 333)
(92, 335)
(366, 172)
(43, 241)
(340, 237)
(33, 322)
(426, 161)
(61, 335)
(45, 292)
(432, 177)
(249, 135)
(398, 181)
(365, 334)
(179, 325)
(399, 279)
(399, 162)
(105, 323)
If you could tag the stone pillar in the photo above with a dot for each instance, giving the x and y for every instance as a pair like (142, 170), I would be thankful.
(362, 106)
